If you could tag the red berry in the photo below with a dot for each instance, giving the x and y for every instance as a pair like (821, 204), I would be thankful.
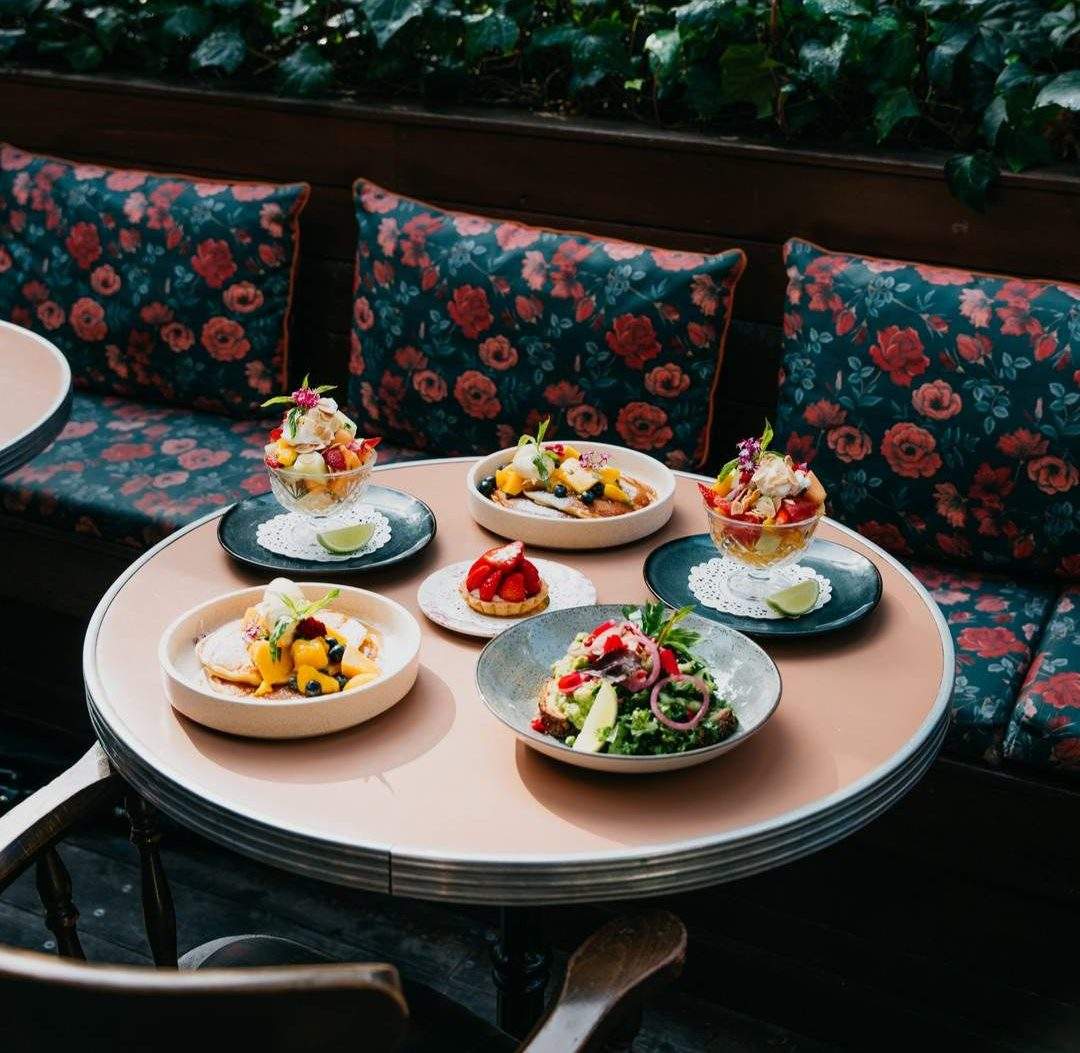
(275, 435)
(490, 585)
(335, 458)
(475, 578)
(505, 557)
(513, 587)
(271, 463)
(532, 578)
(310, 629)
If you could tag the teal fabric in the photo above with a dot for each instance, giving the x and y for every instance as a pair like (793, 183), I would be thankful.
(156, 287)
(468, 331)
(995, 624)
(1044, 730)
(132, 472)
(940, 408)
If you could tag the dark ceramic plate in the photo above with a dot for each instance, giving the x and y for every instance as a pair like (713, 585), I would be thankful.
(412, 526)
(856, 586)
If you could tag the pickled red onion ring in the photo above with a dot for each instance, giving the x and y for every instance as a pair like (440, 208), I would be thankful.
(689, 725)
(651, 650)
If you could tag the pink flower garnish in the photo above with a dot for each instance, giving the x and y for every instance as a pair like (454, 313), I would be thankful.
(749, 452)
(305, 398)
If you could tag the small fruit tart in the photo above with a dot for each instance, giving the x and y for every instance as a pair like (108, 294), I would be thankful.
(503, 583)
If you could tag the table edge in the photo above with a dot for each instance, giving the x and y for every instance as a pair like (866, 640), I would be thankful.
(29, 435)
(855, 791)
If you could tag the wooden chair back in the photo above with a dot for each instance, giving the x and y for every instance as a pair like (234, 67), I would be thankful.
(58, 1004)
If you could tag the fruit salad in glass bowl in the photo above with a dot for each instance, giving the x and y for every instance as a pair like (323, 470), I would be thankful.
(762, 512)
(318, 466)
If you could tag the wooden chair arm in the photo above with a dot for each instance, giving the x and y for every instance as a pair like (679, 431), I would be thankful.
(607, 974)
(45, 817)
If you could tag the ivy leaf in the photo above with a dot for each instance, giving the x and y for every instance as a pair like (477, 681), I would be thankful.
(10, 39)
(386, 17)
(224, 49)
(892, 108)
(663, 47)
(995, 115)
(84, 55)
(746, 76)
(941, 62)
(490, 32)
(1063, 91)
(305, 72)
(822, 62)
(186, 22)
(971, 177)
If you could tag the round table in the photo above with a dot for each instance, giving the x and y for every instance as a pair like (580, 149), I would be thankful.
(436, 799)
(37, 395)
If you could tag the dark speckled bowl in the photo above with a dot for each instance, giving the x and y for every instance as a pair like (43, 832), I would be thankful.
(514, 666)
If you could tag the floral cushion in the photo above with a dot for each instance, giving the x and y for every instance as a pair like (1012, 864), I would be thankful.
(132, 472)
(1045, 726)
(941, 407)
(467, 331)
(156, 287)
(993, 621)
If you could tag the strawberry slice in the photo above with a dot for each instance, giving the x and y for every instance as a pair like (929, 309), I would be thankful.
(512, 588)
(709, 494)
(532, 578)
(335, 458)
(799, 508)
(477, 574)
(505, 557)
(490, 585)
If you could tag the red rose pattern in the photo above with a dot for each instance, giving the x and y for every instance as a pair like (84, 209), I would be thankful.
(122, 335)
(937, 403)
(529, 326)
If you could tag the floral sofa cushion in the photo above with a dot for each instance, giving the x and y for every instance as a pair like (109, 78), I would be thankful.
(995, 623)
(157, 287)
(940, 407)
(132, 472)
(1044, 729)
(467, 331)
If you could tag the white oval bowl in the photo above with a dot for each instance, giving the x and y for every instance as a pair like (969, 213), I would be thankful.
(567, 532)
(190, 694)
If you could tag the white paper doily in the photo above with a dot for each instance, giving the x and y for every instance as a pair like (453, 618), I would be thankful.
(440, 599)
(292, 535)
(709, 584)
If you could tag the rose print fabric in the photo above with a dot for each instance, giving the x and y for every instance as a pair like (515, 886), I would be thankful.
(157, 287)
(995, 625)
(468, 331)
(941, 408)
(132, 472)
(1045, 726)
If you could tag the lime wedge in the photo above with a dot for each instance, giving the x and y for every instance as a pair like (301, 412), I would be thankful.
(346, 539)
(795, 600)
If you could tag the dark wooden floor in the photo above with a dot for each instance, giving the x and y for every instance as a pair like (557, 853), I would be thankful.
(864, 946)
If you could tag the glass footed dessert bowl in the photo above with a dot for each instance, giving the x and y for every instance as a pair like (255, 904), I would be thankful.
(318, 467)
(762, 513)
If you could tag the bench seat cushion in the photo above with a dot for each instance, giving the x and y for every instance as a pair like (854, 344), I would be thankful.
(995, 623)
(132, 472)
(1045, 726)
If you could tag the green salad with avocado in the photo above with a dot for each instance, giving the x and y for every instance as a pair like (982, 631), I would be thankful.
(633, 685)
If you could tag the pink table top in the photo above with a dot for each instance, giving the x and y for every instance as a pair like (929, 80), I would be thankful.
(437, 798)
(37, 389)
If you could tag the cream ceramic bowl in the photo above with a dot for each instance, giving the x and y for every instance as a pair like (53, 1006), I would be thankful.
(564, 531)
(190, 693)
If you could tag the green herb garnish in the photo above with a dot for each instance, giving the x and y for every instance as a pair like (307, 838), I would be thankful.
(298, 612)
(662, 626)
(290, 400)
(541, 431)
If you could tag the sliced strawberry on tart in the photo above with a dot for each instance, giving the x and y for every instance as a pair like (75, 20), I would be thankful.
(503, 583)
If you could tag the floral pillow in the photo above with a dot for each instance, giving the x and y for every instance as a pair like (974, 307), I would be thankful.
(155, 287)
(940, 407)
(467, 331)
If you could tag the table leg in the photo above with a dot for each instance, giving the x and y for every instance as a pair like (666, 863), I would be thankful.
(521, 965)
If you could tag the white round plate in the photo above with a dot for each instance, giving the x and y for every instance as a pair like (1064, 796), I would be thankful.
(440, 597)
(548, 528)
(190, 693)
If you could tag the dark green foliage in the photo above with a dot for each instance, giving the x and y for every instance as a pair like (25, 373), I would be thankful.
(997, 81)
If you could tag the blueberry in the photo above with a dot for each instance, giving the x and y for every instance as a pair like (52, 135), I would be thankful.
(486, 486)
(293, 686)
(588, 497)
(560, 490)
(335, 652)
(597, 490)
(342, 681)
(313, 687)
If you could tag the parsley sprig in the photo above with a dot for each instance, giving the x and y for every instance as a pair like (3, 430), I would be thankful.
(542, 462)
(297, 613)
(662, 625)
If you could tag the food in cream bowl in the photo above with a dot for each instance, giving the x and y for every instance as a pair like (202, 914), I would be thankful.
(570, 495)
(290, 660)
